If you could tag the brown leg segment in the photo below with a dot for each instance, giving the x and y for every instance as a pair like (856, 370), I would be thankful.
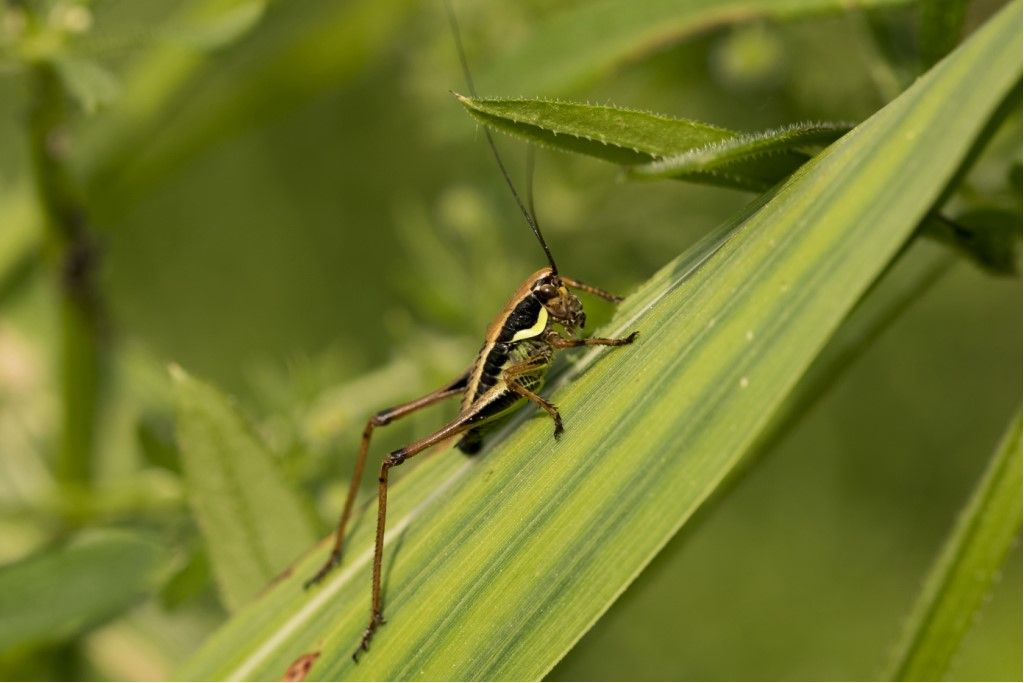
(394, 459)
(560, 342)
(590, 289)
(509, 375)
(454, 388)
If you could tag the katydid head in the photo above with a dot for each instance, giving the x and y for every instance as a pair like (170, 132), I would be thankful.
(564, 307)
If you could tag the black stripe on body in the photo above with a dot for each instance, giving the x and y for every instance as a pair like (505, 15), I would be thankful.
(496, 359)
(522, 317)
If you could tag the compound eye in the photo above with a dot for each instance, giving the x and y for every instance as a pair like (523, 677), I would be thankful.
(546, 292)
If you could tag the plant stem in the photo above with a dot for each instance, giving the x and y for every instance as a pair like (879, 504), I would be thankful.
(73, 250)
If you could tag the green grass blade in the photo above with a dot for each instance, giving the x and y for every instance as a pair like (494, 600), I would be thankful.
(967, 567)
(496, 566)
(703, 152)
(60, 593)
(253, 524)
(579, 45)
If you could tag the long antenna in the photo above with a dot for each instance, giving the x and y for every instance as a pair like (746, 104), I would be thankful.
(530, 158)
(527, 213)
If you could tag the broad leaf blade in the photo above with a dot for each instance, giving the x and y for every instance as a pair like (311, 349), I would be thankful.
(709, 154)
(62, 592)
(504, 561)
(253, 524)
(964, 572)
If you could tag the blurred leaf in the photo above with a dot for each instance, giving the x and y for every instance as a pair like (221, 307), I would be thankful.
(579, 45)
(505, 561)
(967, 567)
(989, 236)
(155, 435)
(253, 524)
(189, 581)
(177, 102)
(91, 84)
(726, 155)
(940, 25)
(21, 239)
(707, 153)
(215, 25)
(58, 594)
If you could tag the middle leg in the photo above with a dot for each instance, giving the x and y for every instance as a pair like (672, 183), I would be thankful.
(511, 376)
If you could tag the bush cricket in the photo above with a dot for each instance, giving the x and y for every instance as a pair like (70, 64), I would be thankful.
(509, 370)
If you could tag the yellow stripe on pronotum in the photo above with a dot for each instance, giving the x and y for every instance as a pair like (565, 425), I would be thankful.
(538, 327)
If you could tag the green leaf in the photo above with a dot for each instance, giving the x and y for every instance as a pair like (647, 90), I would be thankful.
(60, 593)
(253, 524)
(750, 161)
(175, 101)
(495, 566)
(215, 25)
(21, 240)
(91, 84)
(579, 45)
(940, 24)
(967, 567)
(737, 153)
(990, 236)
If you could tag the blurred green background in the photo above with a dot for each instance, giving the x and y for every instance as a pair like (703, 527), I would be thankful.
(288, 203)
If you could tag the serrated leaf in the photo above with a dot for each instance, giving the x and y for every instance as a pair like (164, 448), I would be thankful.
(578, 45)
(505, 560)
(735, 153)
(750, 161)
(965, 571)
(251, 521)
(60, 593)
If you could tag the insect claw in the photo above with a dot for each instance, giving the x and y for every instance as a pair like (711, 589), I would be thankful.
(333, 561)
(364, 646)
